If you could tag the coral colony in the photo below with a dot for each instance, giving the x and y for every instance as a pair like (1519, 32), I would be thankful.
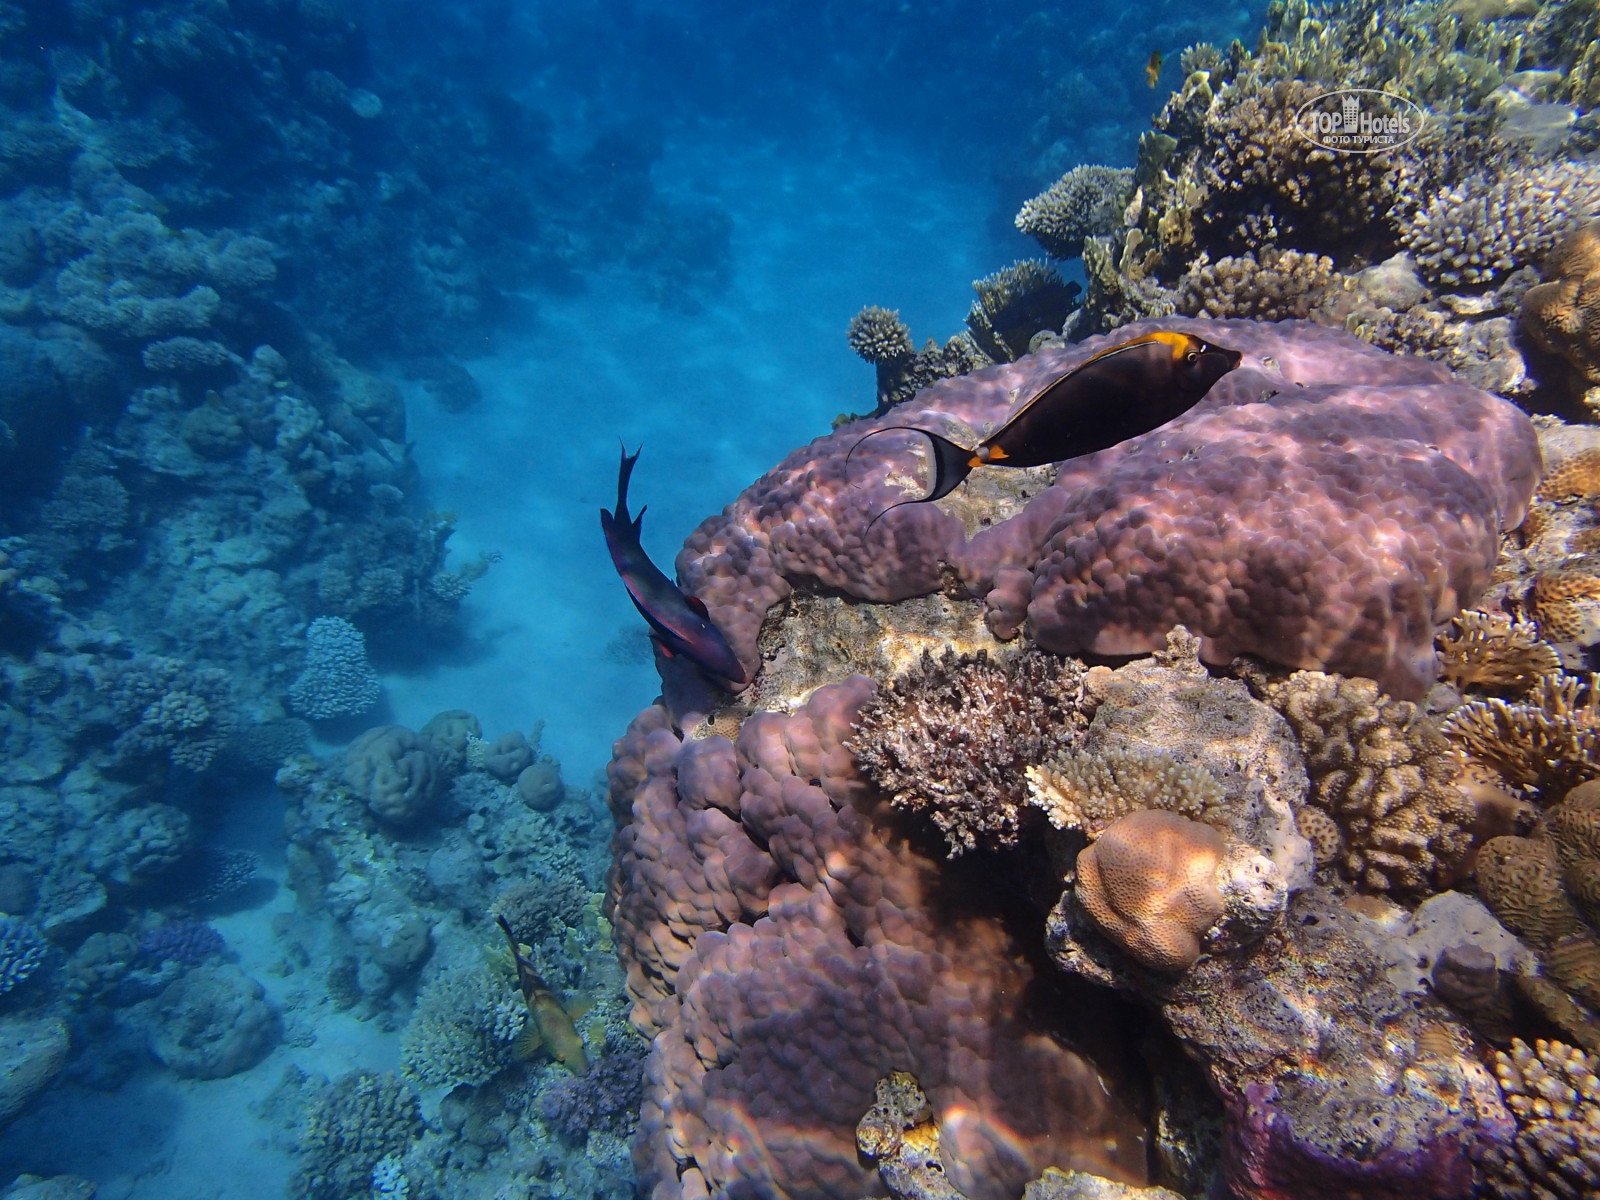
(1215, 814)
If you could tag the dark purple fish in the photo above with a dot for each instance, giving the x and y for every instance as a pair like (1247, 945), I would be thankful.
(679, 623)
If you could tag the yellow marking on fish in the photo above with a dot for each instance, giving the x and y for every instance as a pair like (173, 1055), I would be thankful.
(1179, 343)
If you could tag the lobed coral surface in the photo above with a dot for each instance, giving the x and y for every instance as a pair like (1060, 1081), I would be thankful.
(1326, 506)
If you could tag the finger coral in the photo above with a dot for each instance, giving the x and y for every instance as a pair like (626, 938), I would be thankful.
(1553, 1091)
(954, 736)
(1388, 778)
(1265, 520)
(1149, 882)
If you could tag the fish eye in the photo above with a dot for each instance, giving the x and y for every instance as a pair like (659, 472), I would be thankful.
(1192, 357)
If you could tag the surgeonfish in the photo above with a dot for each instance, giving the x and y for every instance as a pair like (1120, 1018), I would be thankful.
(1123, 391)
(679, 623)
(550, 1025)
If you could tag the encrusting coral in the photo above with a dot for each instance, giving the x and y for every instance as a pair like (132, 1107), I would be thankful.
(777, 923)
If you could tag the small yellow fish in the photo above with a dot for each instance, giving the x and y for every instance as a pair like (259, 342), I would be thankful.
(549, 1024)
(1152, 69)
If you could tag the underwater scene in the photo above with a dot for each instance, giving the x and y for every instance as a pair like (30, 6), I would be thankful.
(1104, 704)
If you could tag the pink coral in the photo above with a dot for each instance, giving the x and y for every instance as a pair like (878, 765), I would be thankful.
(788, 943)
(1327, 506)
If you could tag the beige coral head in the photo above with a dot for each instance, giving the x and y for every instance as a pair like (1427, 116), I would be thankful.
(1149, 882)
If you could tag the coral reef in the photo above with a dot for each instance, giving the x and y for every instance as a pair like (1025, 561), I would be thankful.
(1264, 520)
(350, 1126)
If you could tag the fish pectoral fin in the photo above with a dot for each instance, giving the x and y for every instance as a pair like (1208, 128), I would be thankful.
(579, 1008)
(697, 604)
(996, 454)
(666, 650)
(528, 1043)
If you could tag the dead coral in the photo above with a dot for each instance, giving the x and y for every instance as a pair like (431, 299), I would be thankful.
(1553, 1091)
(1548, 743)
(1495, 652)
(1086, 201)
(1270, 284)
(1386, 775)
(953, 737)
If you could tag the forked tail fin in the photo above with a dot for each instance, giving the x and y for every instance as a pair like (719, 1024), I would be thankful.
(951, 465)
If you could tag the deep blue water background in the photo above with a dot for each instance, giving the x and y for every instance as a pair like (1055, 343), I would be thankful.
(626, 220)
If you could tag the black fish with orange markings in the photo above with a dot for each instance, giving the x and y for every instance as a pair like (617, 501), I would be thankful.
(679, 623)
(1123, 391)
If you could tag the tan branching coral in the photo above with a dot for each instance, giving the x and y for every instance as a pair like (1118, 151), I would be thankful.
(879, 335)
(1386, 775)
(1498, 220)
(1562, 314)
(953, 737)
(1548, 743)
(1553, 1091)
(1495, 652)
(1150, 883)
(1269, 284)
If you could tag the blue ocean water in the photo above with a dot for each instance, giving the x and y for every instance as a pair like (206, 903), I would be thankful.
(339, 310)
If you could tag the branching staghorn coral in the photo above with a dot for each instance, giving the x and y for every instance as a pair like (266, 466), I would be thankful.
(954, 736)
(1495, 652)
(1547, 743)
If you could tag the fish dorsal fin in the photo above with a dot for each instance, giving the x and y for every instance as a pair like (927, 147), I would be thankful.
(1168, 338)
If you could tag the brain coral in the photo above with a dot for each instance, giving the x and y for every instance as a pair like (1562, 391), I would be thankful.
(787, 946)
(1326, 506)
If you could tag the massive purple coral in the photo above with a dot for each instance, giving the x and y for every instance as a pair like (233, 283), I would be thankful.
(1328, 505)
(787, 946)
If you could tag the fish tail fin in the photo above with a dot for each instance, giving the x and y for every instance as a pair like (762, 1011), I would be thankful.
(951, 465)
(625, 473)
